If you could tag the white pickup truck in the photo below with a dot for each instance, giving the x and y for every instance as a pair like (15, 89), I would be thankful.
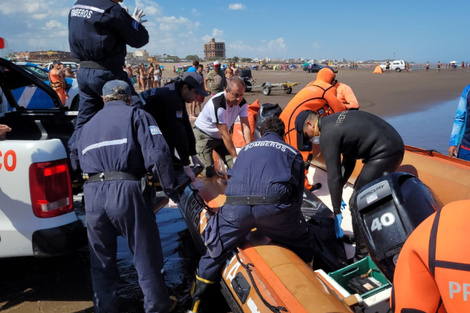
(37, 214)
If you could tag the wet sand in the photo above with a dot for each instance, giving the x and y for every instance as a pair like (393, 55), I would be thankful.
(63, 284)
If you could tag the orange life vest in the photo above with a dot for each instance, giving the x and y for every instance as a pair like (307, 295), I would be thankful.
(318, 96)
(433, 269)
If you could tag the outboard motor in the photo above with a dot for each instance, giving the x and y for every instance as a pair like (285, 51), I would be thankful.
(389, 209)
(266, 110)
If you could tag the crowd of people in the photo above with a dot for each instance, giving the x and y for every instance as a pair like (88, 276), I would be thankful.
(123, 139)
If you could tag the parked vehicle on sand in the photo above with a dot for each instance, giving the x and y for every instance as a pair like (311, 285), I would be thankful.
(38, 216)
(395, 65)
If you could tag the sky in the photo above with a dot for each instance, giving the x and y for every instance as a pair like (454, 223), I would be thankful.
(412, 30)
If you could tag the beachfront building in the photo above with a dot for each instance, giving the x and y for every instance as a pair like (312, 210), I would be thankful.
(214, 50)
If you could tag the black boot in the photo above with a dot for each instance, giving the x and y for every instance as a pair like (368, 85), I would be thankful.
(198, 290)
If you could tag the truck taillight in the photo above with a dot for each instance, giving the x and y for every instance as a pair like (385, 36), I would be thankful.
(51, 188)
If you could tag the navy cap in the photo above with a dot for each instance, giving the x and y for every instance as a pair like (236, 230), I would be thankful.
(195, 81)
(303, 142)
(56, 62)
(116, 87)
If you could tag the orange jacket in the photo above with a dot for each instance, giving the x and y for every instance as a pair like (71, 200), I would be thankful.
(433, 269)
(317, 96)
(346, 95)
(237, 136)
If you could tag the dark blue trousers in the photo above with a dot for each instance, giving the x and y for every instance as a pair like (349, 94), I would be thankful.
(231, 225)
(117, 208)
(90, 83)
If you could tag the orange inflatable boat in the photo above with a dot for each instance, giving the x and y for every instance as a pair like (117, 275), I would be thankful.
(262, 276)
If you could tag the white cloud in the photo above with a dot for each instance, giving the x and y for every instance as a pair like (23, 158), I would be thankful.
(171, 23)
(150, 8)
(236, 6)
(195, 12)
(277, 44)
(271, 47)
(217, 33)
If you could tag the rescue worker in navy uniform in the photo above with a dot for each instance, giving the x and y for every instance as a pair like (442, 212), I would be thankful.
(265, 191)
(433, 270)
(99, 31)
(116, 148)
(168, 106)
(345, 137)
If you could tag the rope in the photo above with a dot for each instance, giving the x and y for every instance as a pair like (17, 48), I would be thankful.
(276, 309)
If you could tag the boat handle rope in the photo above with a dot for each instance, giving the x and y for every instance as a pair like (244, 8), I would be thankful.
(201, 203)
(276, 309)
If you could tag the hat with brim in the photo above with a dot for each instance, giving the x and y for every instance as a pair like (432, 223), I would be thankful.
(195, 81)
(303, 142)
(116, 87)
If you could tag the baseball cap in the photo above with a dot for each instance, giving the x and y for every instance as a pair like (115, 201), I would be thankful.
(216, 63)
(116, 87)
(56, 62)
(303, 142)
(195, 80)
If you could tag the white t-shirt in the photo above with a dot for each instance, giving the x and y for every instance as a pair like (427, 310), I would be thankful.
(217, 111)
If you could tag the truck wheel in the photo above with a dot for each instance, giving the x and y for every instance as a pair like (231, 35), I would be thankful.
(398, 70)
(266, 91)
(288, 90)
(247, 86)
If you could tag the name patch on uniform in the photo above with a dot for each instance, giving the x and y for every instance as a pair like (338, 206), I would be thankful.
(154, 130)
(179, 114)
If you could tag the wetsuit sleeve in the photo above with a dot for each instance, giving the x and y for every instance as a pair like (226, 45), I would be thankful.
(348, 166)
(330, 149)
(413, 285)
(157, 157)
(134, 33)
(460, 118)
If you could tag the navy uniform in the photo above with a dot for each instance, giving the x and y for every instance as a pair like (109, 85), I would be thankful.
(168, 106)
(99, 31)
(266, 168)
(117, 147)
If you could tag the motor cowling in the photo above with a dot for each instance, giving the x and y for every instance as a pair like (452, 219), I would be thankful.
(389, 209)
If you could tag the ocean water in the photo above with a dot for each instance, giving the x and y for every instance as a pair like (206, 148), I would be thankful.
(428, 129)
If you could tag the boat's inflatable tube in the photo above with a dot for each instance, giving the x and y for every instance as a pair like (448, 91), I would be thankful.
(261, 276)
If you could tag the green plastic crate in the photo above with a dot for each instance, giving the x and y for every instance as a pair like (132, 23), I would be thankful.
(344, 275)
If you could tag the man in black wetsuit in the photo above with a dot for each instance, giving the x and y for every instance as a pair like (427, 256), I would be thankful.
(354, 135)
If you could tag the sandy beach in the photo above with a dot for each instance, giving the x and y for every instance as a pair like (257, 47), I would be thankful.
(387, 94)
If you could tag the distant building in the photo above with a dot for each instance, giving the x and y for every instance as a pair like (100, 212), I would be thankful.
(43, 56)
(214, 50)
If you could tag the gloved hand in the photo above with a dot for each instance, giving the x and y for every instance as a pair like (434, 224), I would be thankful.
(196, 161)
(343, 204)
(189, 172)
(138, 15)
(338, 230)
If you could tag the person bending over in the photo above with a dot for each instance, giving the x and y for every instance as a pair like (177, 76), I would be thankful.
(264, 191)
